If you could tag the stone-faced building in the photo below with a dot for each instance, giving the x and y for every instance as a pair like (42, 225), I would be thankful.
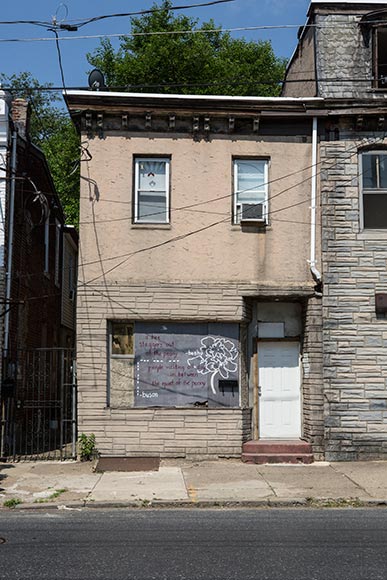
(342, 49)
(198, 250)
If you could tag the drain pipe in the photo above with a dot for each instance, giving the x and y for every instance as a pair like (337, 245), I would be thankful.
(10, 244)
(313, 209)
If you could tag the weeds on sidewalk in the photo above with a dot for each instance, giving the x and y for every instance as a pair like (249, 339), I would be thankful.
(87, 447)
(353, 502)
(12, 502)
(54, 495)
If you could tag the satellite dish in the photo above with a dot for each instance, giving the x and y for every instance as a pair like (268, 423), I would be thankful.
(96, 80)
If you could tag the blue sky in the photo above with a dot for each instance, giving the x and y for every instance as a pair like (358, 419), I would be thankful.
(40, 58)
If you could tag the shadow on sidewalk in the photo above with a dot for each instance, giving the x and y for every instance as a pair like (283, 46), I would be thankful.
(4, 467)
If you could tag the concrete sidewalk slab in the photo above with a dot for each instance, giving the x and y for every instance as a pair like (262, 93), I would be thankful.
(39, 481)
(227, 481)
(307, 481)
(370, 477)
(165, 484)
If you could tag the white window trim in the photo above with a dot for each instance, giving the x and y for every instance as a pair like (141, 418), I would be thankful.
(137, 161)
(47, 244)
(380, 191)
(236, 160)
(58, 229)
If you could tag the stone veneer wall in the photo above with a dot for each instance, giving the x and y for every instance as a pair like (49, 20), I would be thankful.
(312, 380)
(354, 338)
(342, 54)
(165, 432)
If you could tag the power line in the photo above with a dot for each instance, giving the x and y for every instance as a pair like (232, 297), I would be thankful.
(225, 82)
(78, 23)
(176, 32)
(182, 236)
(81, 23)
(127, 256)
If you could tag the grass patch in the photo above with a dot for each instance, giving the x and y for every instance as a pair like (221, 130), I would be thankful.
(352, 502)
(12, 503)
(55, 494)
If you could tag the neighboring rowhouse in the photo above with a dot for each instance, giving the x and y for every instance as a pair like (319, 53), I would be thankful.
(343, 50)
(198, 249)
(37, 290)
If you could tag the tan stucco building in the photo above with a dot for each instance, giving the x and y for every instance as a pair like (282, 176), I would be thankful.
(199, 283)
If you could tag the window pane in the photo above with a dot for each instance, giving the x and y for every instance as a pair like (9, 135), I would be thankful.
(375, 210)
(152, 175)
(122, 338)
(152, 207)
(375, 171)
(381, 65)
(369, 171)
(251, 175)
(251, 197)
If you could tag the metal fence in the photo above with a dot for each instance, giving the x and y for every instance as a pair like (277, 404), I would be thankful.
(39, 406)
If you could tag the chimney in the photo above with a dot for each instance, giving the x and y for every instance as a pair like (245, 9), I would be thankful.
(20, 112)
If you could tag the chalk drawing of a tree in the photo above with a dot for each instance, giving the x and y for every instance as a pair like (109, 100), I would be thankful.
(217, 355)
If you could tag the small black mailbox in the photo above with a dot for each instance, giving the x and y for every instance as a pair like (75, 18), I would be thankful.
(381, 302)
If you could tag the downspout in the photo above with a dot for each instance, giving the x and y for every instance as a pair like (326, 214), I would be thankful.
(10, 245)
(313, 209)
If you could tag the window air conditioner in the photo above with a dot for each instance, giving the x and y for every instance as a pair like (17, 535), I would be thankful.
(252, 212)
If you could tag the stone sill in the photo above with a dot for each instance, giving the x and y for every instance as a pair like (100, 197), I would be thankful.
(374, 235)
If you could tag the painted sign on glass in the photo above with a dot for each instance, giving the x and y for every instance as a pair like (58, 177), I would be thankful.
(186, 364)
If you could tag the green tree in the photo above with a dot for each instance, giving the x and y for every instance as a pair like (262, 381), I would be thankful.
(52, 130)
(209, 62)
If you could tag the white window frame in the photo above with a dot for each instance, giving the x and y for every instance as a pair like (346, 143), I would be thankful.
(47, 244)
(58, 229)
(364, 191)
(137, 161)
(236, 204)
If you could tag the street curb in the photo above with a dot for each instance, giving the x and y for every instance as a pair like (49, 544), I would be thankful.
(314, 503)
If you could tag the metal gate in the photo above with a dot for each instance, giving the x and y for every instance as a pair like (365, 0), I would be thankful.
(39, 407)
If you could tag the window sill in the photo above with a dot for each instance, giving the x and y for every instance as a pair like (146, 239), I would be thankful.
(373, 235)
(151, 226)
(253, 227)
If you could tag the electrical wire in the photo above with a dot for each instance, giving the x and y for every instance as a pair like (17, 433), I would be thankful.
(225, 82)
(71, 28)
(78, 23)
(127, 256)
(81, 23)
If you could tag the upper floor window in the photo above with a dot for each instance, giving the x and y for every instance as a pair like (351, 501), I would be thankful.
(380, 56)
(374, 189)
(250, 190)
(151, 190)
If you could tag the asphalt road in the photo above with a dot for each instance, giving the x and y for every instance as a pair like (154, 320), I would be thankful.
(301, 544)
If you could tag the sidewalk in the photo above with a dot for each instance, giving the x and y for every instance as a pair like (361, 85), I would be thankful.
(209, 483)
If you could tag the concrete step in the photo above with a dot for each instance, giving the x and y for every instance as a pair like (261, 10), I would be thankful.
(264, 451)
(277, 446)
(262, 458)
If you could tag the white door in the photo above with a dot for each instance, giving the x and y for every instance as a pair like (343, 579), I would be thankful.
(279, 387)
